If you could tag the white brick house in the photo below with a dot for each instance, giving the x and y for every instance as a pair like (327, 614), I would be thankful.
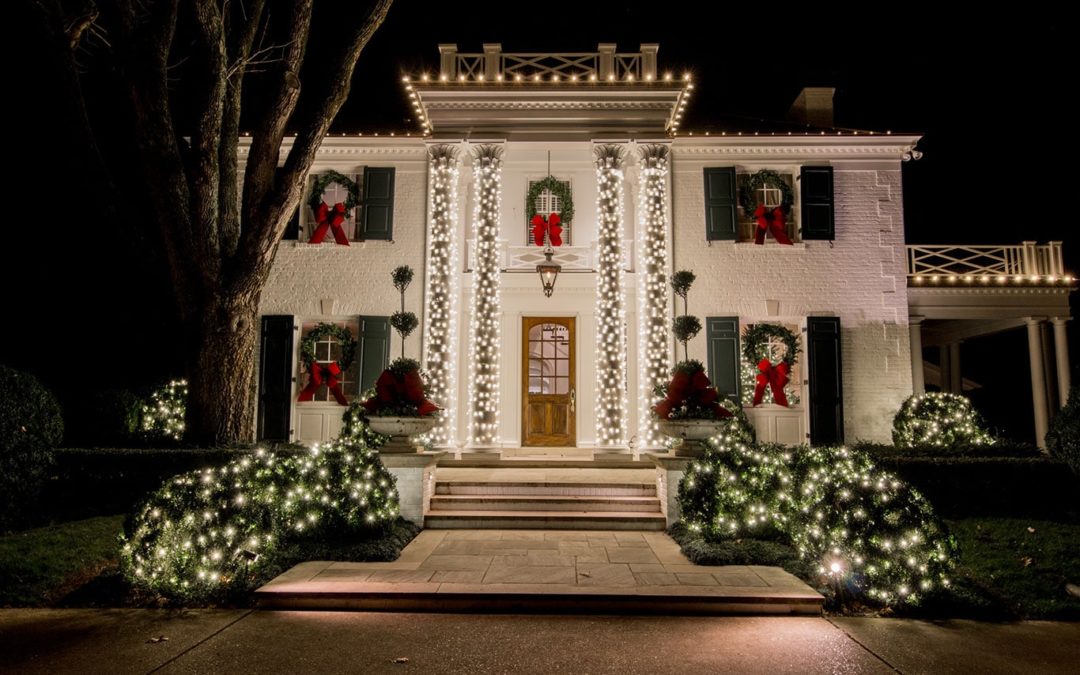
(842, 285)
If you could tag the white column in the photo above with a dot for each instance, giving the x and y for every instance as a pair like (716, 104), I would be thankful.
(956, 379)
(1061, 353)
(654, 350)
(611, 417)
(441, 312)
(918, 377)
(486, 313)
(1038, 382)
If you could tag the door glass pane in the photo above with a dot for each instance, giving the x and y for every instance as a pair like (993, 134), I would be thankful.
(562, 385)
(549, 385)
(562, 367)
(534, 385)
(549, 350)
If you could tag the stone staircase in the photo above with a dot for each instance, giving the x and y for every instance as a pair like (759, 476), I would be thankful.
(544, 504)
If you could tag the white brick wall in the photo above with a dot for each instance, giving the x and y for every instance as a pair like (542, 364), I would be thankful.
(859, 277)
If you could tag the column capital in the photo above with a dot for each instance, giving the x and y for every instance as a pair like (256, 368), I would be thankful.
(1034, 320)
(1060, 320)
(915, 319)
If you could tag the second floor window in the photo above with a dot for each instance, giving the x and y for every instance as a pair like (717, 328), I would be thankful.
(770, 197)
(545, 204)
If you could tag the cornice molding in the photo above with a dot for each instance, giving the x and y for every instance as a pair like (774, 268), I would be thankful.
(406, 147)
(549, 105)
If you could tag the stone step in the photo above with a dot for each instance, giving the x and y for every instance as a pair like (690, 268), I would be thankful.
(551, 488)
(451, 502)
(541, 520)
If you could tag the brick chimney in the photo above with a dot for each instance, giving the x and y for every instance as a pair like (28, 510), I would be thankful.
(814, 106)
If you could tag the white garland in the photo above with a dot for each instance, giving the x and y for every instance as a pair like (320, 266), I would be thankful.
(485, 315)
(611, 409)
(440, 315)
(654, 352)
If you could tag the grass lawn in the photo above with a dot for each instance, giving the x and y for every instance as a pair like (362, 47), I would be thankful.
(37, 567)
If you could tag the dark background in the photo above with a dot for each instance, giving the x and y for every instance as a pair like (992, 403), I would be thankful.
(88, 301)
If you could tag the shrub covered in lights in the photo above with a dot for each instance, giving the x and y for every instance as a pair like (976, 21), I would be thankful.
(861, 526)
(163, 415)
(938, 419)
(207, 533)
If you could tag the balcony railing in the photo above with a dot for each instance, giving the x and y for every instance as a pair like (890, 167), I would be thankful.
(1027, 261)
(572, 258)
(605, 64)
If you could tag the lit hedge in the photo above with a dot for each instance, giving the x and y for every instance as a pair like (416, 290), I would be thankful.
(939, 419)
(207, 532)
(861, 526)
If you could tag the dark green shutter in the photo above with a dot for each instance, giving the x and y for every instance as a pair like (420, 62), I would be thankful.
(818, 213)
(378, 210)
(292, 230)
(374, 349)
(826, 386)
(275, 378)
(721, 212)
(722, 333)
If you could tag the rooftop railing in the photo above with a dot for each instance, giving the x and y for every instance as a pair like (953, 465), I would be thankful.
(605, 64)
(1027, 261)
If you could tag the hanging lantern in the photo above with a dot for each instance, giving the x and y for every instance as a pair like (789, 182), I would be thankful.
(548, 270)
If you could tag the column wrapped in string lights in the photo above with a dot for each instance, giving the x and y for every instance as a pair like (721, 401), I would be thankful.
(485, 315)
(440, 314)
(654, 354)
(611, 418)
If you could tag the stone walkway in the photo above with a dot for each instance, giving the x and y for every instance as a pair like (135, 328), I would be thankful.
(447, 570)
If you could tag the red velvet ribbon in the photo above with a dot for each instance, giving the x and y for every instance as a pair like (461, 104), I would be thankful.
(695, 391)
(550, 226)
(330, 218)
(776, 377)
(771, 221)
(389, 390)
(320, 373)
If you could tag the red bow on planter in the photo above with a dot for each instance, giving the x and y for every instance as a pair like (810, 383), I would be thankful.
(694, 391)
(320, 373)
(330, 218)
(389, 390)
(770, 221)
(774, 376)
(550, 226)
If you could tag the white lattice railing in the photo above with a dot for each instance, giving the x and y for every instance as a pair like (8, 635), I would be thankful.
(605, 64)
(1027, 259)
(572, 258)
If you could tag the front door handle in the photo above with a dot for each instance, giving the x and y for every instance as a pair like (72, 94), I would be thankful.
(573, 399)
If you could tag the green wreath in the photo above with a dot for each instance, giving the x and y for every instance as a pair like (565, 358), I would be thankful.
(558, 189)
(759, 180)
(340, 333)
(756, 340)
(324, 180)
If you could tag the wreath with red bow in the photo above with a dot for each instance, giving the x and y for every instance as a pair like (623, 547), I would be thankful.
(770, 220)
(559, 190)
(690, 395)
(327, 373)
(400, 392)
(773, 375)
(331, 216)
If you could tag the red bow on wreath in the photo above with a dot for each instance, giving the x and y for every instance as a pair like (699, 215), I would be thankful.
(770, 220)
(774, 376)
(324, 373)
(330, 218)
(389, 390)
(550, 226)
(692, 391)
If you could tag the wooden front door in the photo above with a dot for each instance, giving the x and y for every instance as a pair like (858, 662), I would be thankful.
(547, 381)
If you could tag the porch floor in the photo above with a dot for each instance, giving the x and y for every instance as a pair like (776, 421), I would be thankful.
(541, 571)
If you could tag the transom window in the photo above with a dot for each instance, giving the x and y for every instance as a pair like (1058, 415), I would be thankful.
(549, 359)
(328, 350)
(546, 204)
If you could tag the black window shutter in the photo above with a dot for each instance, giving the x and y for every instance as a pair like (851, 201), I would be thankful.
(818, 213)
(374, 349)
(292, 230)
(721, 212)
(826, 386)
(722, 333)
(275, 378)
(378, 210)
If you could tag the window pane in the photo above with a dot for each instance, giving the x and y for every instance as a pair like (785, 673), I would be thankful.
(562, 367)
(534, 385)
(562, 385)
(549, 350)
(549, 385)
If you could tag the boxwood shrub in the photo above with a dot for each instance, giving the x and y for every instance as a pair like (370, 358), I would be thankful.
(31, 425)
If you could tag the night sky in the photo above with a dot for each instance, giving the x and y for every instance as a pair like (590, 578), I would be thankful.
(999, 147)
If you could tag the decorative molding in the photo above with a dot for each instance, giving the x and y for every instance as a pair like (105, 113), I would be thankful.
(548, 105)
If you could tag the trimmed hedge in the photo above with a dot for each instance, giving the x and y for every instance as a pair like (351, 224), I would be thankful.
(939, 419)
(31, 425)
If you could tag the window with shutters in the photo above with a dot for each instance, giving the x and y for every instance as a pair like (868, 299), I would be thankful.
(546, 204)
(775, 350)
(328, 350)
(770, 197)
(334, 193)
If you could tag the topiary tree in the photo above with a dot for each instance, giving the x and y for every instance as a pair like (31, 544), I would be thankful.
(1063, 438)
(31, 425)
(685, 327)
(939, 419)
(403, 322)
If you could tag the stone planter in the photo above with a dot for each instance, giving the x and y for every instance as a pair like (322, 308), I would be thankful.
(401, 430)
(692, 433)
